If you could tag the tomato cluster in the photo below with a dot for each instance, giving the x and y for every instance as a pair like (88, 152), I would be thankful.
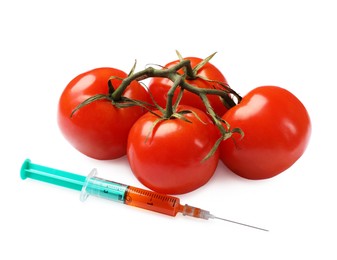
(174, 132)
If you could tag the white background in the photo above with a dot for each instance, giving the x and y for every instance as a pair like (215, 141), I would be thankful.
(45, 44)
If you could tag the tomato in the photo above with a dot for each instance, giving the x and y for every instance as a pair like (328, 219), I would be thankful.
(168, 157)
(158, 87)
(276, 128)
(99, 129)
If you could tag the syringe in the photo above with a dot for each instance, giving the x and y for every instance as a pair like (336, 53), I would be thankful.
(129, 195)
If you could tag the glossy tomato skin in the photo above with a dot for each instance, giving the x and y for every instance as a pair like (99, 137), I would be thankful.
(158, 87)
(170, 159)
(276, 128)
(98, 130)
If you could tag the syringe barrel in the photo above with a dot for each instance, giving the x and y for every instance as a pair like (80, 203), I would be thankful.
(130, 195)
(153, 201)
(103, 188)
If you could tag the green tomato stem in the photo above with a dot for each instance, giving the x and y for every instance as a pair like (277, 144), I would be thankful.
(170, 73)
(169, 103)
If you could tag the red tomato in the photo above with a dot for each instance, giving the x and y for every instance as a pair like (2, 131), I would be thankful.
(159, 87)
(168, 158)
(276, 129)
(99, 129)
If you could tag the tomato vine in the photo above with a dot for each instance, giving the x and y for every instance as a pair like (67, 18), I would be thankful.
(179, 80)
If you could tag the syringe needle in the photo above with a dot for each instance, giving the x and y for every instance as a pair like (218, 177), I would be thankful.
(191, 211)
(239, 223)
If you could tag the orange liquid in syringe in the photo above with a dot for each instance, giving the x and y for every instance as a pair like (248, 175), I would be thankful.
(149, 200)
